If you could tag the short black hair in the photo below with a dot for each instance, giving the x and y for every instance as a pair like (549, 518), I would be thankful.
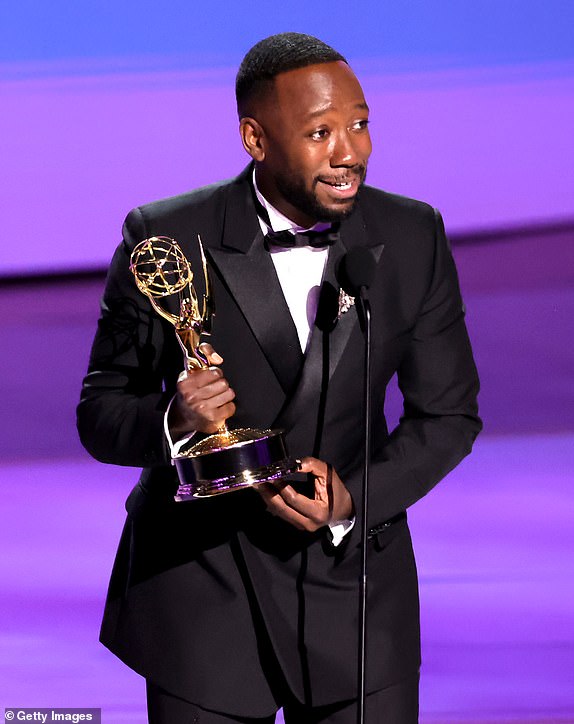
(274, 55)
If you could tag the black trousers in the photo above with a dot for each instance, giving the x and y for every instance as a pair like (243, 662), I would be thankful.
(397, 704)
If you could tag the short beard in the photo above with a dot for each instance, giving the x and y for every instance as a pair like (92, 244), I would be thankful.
(295, 193)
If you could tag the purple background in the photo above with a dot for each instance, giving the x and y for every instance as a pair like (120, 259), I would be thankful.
(110, 105)
(491, 147)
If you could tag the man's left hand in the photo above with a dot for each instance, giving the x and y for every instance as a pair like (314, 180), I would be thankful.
(332, 501)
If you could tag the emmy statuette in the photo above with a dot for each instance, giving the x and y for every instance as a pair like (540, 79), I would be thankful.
(229, 459)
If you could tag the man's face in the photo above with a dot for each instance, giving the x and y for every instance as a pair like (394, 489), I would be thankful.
(314, 143)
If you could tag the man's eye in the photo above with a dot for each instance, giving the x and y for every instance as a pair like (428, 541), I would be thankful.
(360, 125)
(319, 134)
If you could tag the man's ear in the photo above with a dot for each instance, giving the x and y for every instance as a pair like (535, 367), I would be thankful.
(252, 137)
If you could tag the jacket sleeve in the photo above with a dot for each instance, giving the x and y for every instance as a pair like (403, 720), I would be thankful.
(439, 382)
(123, 400)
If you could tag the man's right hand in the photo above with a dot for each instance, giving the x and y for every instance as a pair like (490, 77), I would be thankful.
(204, 399)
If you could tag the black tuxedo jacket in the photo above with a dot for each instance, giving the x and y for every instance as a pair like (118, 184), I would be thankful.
(207, 596)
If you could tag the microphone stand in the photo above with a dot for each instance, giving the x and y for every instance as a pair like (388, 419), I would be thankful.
(365, 318)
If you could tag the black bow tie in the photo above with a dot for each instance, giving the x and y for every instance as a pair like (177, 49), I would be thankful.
(287, 240)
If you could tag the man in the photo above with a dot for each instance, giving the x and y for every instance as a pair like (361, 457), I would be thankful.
(234, 606)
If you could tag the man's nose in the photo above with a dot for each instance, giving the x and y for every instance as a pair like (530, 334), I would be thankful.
(344, 152)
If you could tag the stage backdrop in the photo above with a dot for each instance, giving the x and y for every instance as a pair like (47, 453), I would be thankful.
(106, 105)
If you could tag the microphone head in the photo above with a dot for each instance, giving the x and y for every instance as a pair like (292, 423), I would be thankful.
(356, 270)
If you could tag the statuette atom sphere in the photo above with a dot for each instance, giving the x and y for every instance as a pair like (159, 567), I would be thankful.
(160, 267)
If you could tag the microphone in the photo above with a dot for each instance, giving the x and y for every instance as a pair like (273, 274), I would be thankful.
(356, 271)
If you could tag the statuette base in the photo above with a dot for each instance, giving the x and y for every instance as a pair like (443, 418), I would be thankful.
(211, 468)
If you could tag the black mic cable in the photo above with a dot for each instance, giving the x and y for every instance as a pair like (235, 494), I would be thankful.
(355, 274)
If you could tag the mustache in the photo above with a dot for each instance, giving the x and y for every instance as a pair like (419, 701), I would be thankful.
(345, 176)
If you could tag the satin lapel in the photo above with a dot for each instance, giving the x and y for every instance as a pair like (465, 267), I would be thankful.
(327, 344)
(248, 271)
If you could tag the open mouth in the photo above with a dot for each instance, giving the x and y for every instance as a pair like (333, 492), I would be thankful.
(342, 188)
(341, 185)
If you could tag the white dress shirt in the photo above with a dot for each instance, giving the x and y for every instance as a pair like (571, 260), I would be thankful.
(299, 269)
